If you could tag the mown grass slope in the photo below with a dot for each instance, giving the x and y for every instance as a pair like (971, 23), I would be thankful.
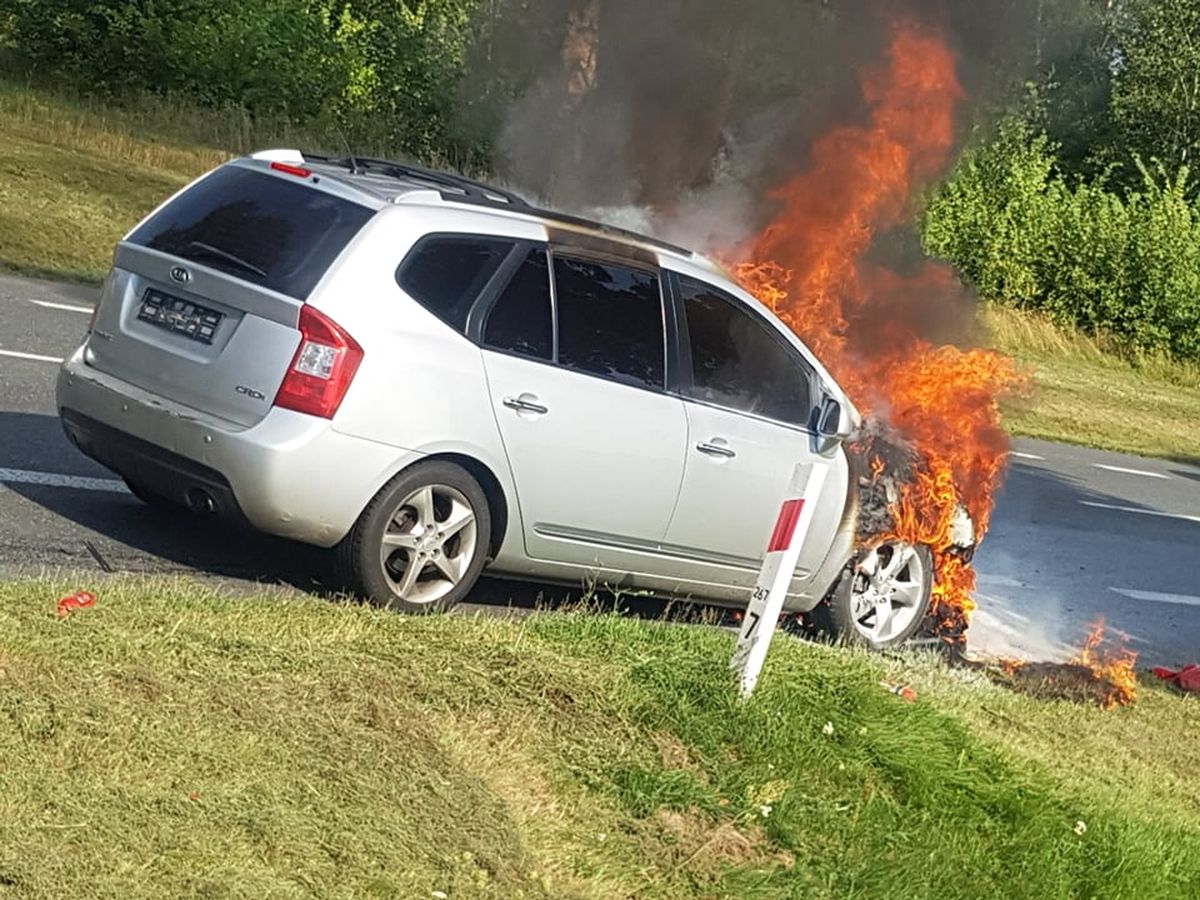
(74, 177)
(176, 741)
(1084, 391)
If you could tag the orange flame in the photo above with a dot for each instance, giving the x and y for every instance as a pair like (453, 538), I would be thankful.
(1112, 666)
(808, 266)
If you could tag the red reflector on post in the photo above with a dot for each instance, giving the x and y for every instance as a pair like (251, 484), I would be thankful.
(322, 369)
(298, 171)
(785, 525)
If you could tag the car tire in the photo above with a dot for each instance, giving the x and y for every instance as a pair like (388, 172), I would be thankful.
(421, 542)
(874, 608)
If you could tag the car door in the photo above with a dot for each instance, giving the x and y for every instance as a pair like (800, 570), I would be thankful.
(576, 368)
(749, 402)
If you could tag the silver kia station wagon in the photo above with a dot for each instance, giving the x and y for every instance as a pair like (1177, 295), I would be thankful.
(435, 378)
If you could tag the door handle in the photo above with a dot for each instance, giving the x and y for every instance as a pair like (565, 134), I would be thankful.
(520, 404)
(716, 450)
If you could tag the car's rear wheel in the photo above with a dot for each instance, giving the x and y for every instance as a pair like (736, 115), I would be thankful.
(421, 543)
(883, 600)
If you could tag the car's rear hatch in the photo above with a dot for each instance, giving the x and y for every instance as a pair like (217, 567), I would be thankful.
(203, 300)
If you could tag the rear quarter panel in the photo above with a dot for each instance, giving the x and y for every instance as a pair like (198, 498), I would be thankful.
(421, 386)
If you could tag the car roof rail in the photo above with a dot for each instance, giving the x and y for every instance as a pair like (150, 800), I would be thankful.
(460, 189)
(463, 188)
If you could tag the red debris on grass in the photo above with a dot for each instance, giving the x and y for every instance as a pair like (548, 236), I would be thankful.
(78, 600)
(1186, 679)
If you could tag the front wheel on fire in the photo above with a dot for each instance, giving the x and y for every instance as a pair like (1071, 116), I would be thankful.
(882, 600)
(421, 543)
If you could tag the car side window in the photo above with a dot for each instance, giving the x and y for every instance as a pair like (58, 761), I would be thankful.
(610, 321)
(738, 363)
(446, 273)
(521, 320)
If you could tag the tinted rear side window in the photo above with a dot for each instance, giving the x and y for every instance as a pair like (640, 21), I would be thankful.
(610, 321)
(738, 363)
(264, 229)
(446, 274)
(521, 321)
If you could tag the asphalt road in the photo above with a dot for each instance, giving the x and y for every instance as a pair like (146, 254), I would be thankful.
(1077, 534)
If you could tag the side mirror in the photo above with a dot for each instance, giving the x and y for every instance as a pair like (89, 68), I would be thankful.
(829, 421)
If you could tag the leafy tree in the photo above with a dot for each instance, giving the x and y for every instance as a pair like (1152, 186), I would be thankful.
(405, 60)
(1122, 262)
(1156, 85)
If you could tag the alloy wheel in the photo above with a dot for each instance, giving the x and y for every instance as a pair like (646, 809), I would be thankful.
(887, 591)
(429, 543)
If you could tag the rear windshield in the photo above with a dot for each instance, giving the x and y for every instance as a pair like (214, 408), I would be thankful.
(265, 229)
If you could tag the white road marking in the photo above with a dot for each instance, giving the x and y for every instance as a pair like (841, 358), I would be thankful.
(1159, 597)
(1000, 580)
(54, 479)
(1144, 512)
(1125, 471)
(68, 307)
(36, 357)
(1020, 455)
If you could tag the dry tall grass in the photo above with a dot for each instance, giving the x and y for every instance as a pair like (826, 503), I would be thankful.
(1086, 390)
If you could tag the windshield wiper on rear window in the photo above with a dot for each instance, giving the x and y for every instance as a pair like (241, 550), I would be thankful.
(228, 257)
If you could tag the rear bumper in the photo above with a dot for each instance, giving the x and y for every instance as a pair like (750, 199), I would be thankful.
(290, 475)
(165, 473)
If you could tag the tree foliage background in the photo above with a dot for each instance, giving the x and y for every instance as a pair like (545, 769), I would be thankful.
(383, 71)
(1075, 194)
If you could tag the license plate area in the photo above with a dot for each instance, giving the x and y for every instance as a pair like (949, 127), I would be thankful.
(193, 321)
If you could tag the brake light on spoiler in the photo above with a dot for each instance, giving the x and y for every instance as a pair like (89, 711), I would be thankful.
(288, 169)
(322, 369)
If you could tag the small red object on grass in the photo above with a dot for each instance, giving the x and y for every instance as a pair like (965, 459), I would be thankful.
(900, 690)
(78, 600)
(1186, 679)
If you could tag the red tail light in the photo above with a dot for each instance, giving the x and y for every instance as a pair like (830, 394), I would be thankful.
(322, 369)
(298, 171)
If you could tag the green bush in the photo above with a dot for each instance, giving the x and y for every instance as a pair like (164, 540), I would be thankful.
(1083, 253)
(378, 71)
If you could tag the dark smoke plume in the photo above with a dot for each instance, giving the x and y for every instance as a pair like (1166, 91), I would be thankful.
(683, 107)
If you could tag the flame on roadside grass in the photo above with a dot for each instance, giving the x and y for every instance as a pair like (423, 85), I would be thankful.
(1106, 670)
(1113, 667)
(808, 265)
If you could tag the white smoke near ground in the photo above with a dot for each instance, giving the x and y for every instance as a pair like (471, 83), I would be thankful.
(999, 631)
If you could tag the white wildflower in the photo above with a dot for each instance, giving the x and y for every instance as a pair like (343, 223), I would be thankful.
(828, 729)
(1080, 827)
(764, 810)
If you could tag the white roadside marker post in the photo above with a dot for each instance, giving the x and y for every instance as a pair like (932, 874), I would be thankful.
(778, 569)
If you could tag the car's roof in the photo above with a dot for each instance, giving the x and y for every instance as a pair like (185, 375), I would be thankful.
(384, 184)
(387, 183)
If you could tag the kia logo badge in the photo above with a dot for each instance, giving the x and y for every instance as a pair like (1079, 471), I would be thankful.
(180, 274)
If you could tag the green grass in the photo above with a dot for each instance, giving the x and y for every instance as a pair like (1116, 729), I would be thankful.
(173, 741)
(1085, 391)
(73, 179)
(75, 174)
